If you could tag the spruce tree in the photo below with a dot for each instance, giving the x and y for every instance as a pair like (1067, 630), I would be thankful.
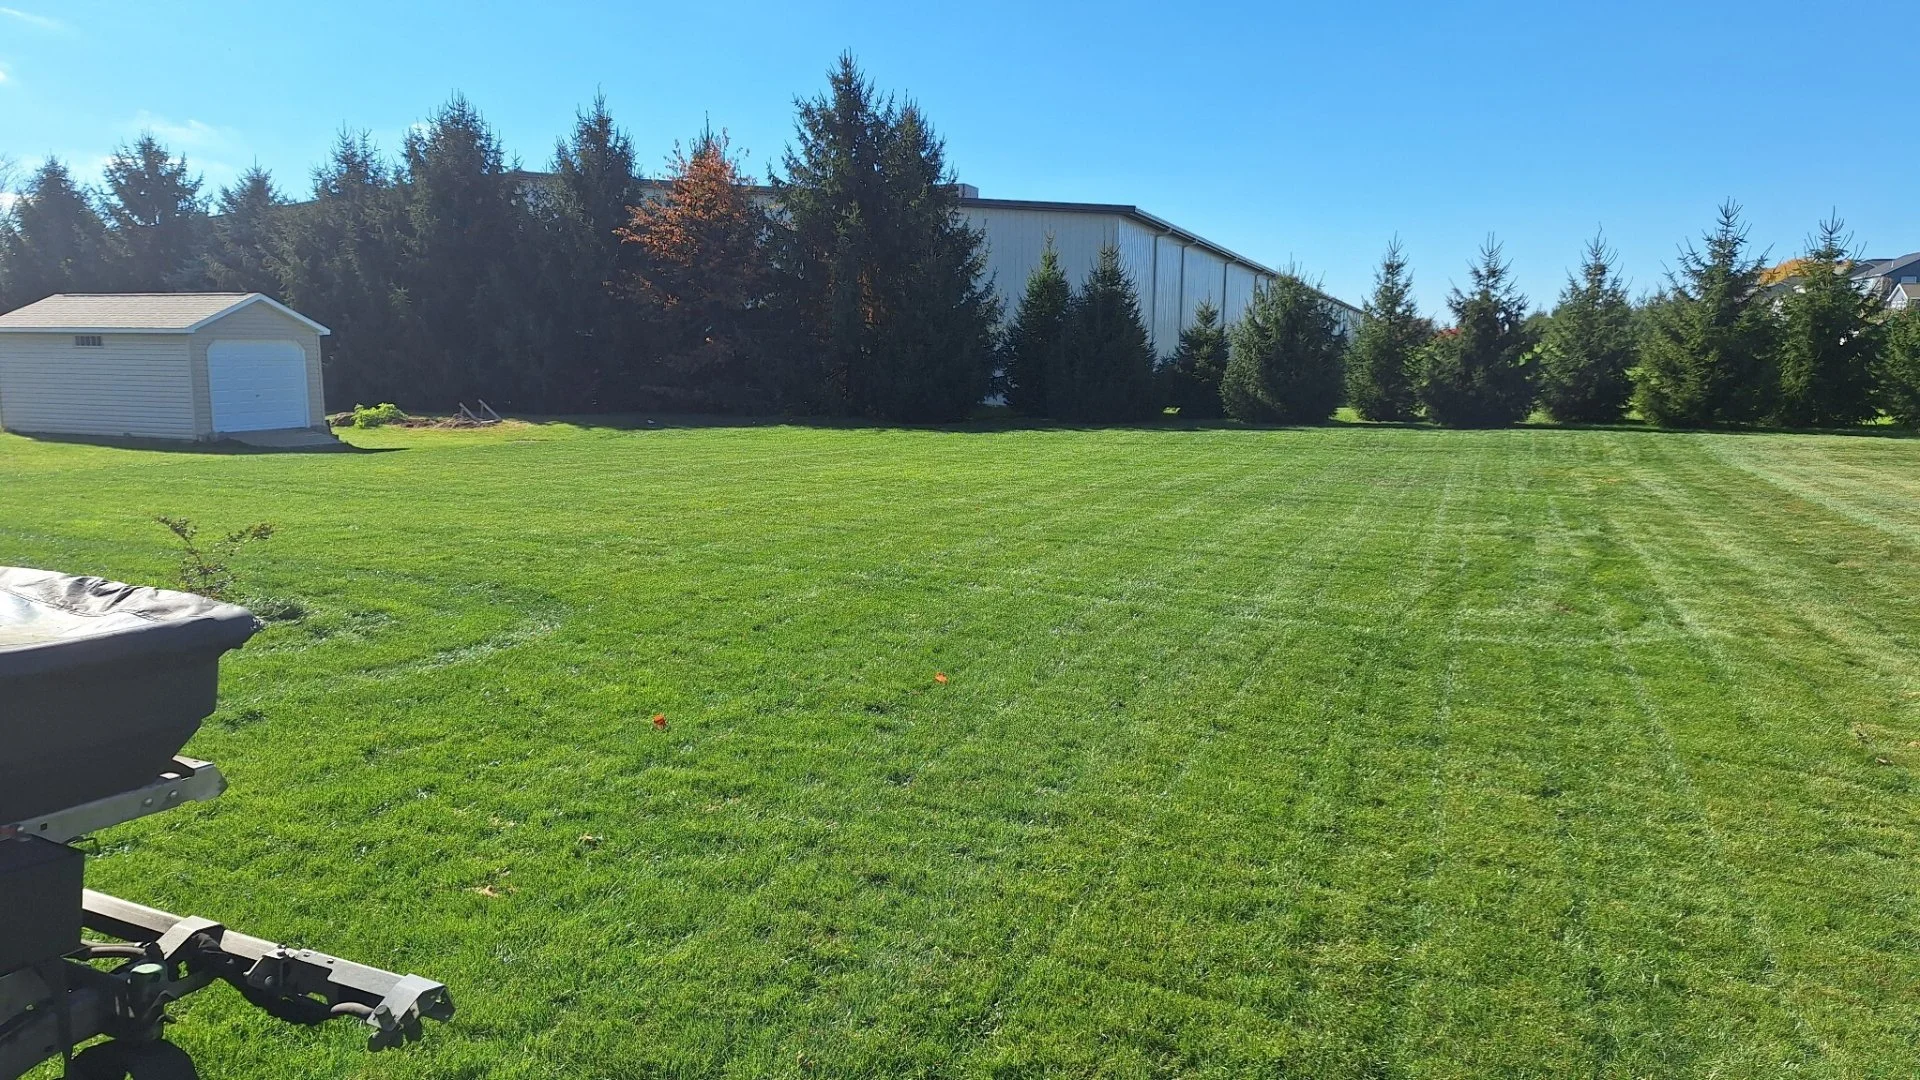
(878, 274)
(1829, 339)
(702, 266)
(600, 330)
(1590, 345)
(339, 258)
(1038, 333)
(1106, 364)
(1481, 375)
(464, 269)
(158, 218)
(598, 177)
(52, 241)
(1285, 362)
(1705, 356)
(1190, 381)
(242, 256)
(1897, 376)
(1380, 362)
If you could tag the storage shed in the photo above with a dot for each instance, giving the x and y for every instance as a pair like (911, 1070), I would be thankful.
(160, 366)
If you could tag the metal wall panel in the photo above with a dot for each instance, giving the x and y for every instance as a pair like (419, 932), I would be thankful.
(1204, 280)
(1241, 281)
(1172, 275)
(1137, 254)
(1171, 314)
(1015, 239)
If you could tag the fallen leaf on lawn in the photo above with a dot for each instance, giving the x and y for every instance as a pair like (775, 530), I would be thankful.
(940, 676)
(660, 721)
(590, 840)
(493, 891)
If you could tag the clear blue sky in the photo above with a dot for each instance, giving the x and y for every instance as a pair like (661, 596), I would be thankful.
(1303, 133)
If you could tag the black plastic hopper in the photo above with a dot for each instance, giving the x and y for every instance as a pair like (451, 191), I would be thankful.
(101, 684)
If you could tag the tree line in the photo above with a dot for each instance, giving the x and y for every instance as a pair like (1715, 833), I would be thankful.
(851, 285)
(451, 274)
(1713, 347)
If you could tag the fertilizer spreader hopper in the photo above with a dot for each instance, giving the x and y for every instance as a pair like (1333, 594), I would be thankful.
(101, 685)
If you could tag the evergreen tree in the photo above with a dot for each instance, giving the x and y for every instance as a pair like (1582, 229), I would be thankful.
(1589, 345)
(1037, 335)
(1706, 353)
(158, 218)
(1481, 375)
(1380, 363)
(1190, 381)
(52, 241)
(1829, 339)
(1285, 361)
(702, 264)
(246, 241)
(879, 275)
(339, 256)
(464, 268)
(1105, 373)
(599, 332)
(599, 177)
(1898, 373)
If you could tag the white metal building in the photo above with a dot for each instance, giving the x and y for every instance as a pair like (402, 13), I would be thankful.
(160, 366)
(1172, 269)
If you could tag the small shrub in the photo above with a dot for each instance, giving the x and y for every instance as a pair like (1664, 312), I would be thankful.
(372, 416)
(208, 570)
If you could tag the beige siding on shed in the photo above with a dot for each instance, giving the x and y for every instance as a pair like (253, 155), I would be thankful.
(256, 322)
(135, 385)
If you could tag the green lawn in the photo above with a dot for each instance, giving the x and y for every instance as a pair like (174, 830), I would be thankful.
(1351, 752)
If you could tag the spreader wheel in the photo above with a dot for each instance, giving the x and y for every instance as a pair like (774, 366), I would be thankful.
(115, 1060)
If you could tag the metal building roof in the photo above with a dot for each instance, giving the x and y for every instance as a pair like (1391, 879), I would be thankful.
(1122, 210)
(141, 313)
(1144, 218)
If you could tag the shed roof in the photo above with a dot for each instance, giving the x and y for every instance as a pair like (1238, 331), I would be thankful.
(1875, 268)
(140, 313)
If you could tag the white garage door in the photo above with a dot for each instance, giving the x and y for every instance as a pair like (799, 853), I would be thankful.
(257, 385)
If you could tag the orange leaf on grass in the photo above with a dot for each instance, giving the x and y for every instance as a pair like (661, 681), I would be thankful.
(940, 676)
(660, 721)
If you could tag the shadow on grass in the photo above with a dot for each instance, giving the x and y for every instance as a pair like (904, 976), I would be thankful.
(221, 447)
(1863, 431)
(1007, 423)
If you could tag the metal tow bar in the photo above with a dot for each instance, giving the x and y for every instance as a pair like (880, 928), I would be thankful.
(290, 983)
(170, 956)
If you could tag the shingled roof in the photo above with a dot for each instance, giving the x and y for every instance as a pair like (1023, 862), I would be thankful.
(139, 313)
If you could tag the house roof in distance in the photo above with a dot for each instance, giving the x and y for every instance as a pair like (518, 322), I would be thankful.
(135, 313)
(1867, 268)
